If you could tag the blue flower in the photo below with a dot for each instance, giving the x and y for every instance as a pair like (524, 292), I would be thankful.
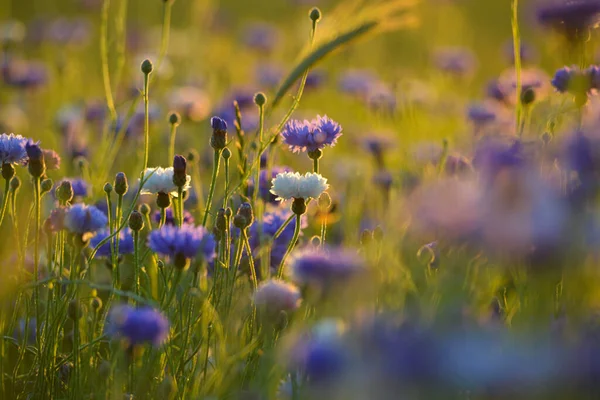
(80, 187)
(138, 326)
(311, 136)
(170, 219)
(325, 267)
(187, 241)
(12, 149)
(572, 18)
(84, 219)
(125, 242)
(481, 114)
(218, 124)
(562, 79)
(265, 184)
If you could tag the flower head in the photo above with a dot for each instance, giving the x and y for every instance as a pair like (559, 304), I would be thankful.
(12, 149)
(52, 159)
(80, 187)
(161, 180)
(138, 326)
(324, 267)
(311, 136)
(274, 296)
(125, 242)
(288, 185)
(182, 243)
(84, 219)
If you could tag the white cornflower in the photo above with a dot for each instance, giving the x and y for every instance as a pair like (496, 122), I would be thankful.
(162, 181)
(276, 296)
(287, 185)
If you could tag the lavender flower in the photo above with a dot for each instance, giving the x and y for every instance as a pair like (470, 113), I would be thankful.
(138, 326)
(82, 219)
(457, 61)
(325, 267)
(275, 296)
(311, 136)
(182, 244)
(12, 149)
(125, 242)
(481, 114)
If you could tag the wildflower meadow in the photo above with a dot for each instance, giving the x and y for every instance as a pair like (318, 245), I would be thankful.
(292, 199)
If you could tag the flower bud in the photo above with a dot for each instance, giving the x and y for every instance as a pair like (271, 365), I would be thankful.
(228, 212)
(74, 310)
(218, 141)
(136, 221)
(147, 67)
(299, 206)
(378, 233)
(315, 14)
(315, 154)
(527, 96)
(108, 188)
(163, 200)
(324, 201)
(160, 264)
(15, 183)
(96, 303)
(64, 192)
(145, 209)
(174, 119)
(221, 221)
(226, 154)
(260, 99)
(46, 185)
(121, 184)
(8, 171)
(37, 166)
(179, 171)
(244, 217)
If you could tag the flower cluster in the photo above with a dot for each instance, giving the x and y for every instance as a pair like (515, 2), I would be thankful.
(182, 244)
(125, 242)
(311, 135)
(138, 326)
(82, 219)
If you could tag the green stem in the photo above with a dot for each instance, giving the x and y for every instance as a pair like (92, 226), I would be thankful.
(136, 263)
(163, 217)
(104, 59)
(323, 229)
(166, 29)
(213, 183)
(261, 119)
(172, 142)
(290, 247)
(5, 200)
(517, 56)
(226, 196)
(316, 165)
(180, 208)
(250, 258)
(36, 250)
(146, 121)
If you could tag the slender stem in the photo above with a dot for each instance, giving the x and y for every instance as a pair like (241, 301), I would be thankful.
(172, 142)
(250, 258)
(104, 59)
(5, 200)
(213, 182)
(226, 196)
(517, 56)
(180, 208)
(136, 263)
(291, 246)
(36, 251)
(163, 217)
(117, 238)
(261, 119)
(316, 165)
(283, 226)
(166, 29)
(323, 229)
(146, 120)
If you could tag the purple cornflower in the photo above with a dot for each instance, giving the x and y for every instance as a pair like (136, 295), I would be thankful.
(170, 218)
(12, 149)
(562, 79)
(271, 223)
(311, 136)
(84, 219)
(56, 220)
(261, 36)
(572, 17)
(455, 60)
(125, 242)
(80, 187)
(265, 184)
(138, 326)
(183, 243)
(481, 114)
(324, 267)
(24, 75)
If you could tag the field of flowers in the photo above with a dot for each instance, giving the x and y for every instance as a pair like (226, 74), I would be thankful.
(292, 199)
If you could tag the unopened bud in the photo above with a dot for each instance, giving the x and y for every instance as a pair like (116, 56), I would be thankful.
(174, 119)
(136, 221)
(121, 185)
(163, 200)
(147, 67)
(179, 171)
(64, 192)
(108, 188)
